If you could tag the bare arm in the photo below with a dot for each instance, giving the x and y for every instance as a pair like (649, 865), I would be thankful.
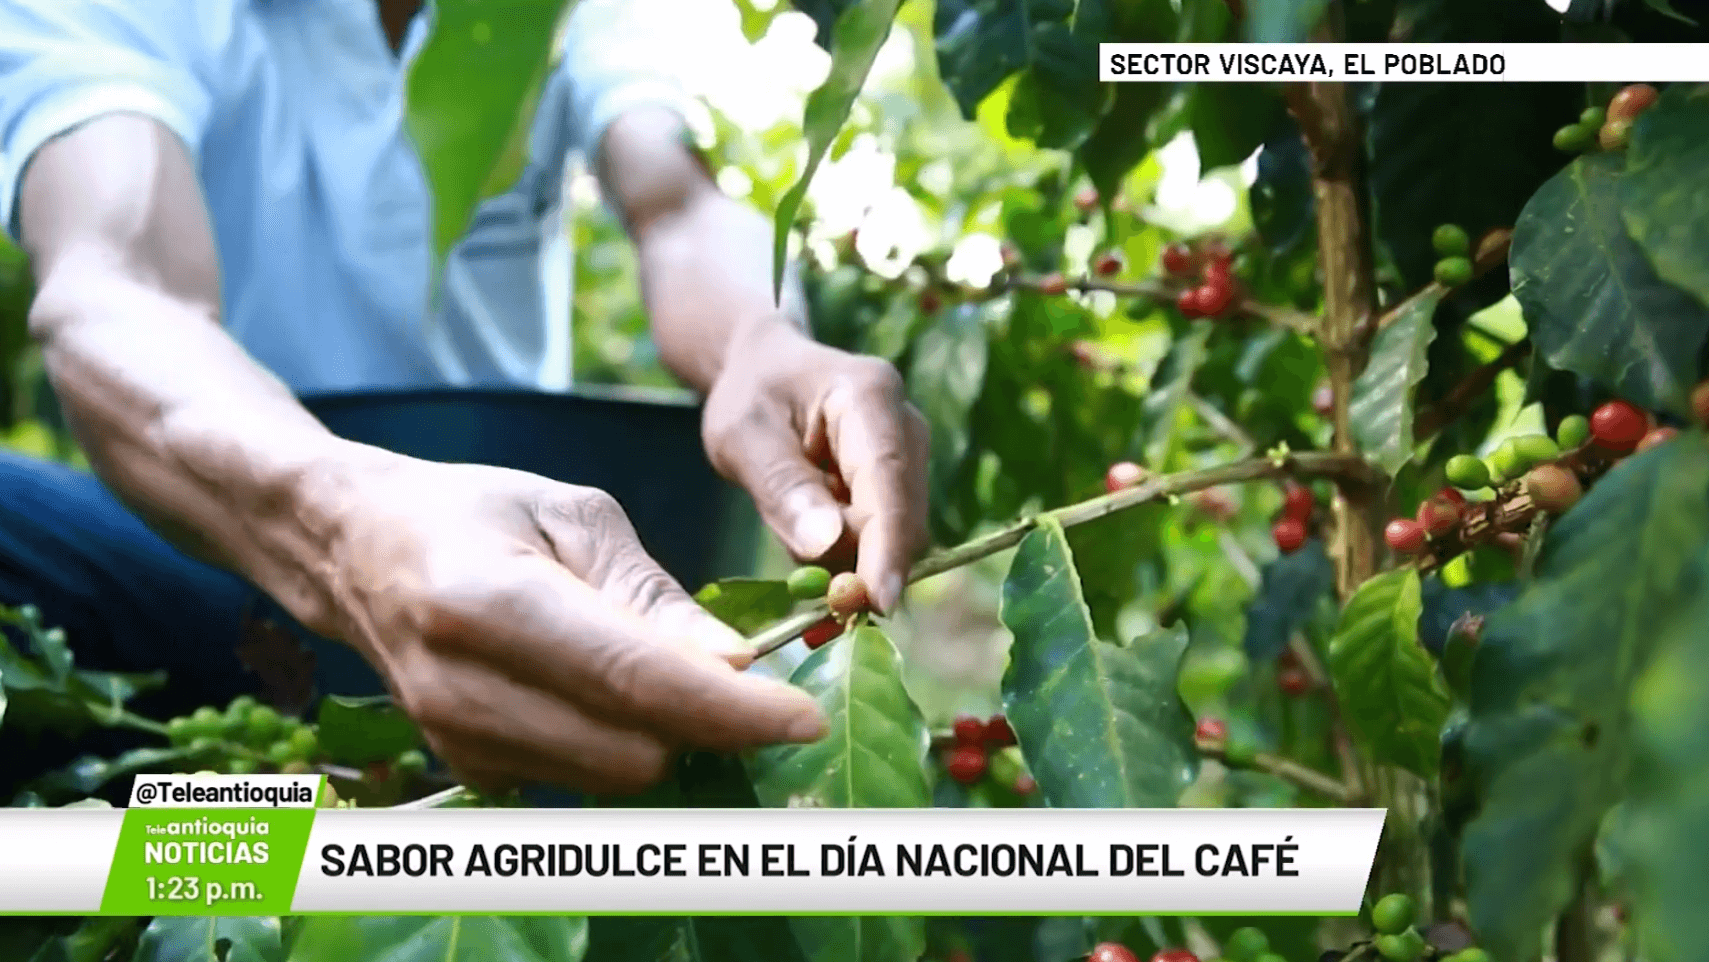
(784, 414)
(207, 445)
(517, 620)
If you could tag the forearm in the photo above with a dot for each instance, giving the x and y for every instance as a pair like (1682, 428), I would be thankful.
(206, 445)
(705, 259)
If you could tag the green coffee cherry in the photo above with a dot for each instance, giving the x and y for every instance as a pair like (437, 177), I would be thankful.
(808, 583)
(202, 745)
(1534, 449)
(1407, 946)
(1592, 118)
(1457, 573)
(1393, 914)
(281, 753)
(1473, 954)
(181, 730)
(207, 721)
(1574, 138)
(1573, 432)
(264, 725)
(1246, 945)
(1453, 271)
(1450, 240)
(240, 706)
(304, 742)
(241, 766)
(1504, 462)
(410, 763)
(1467, 471)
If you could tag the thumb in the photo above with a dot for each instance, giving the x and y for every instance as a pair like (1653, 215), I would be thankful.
(788, 490)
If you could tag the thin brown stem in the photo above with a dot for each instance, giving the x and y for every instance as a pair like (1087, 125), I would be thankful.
(1461, 396)
(1491, 254)
(1348, 468)
(1351, 769)
(1285, 769)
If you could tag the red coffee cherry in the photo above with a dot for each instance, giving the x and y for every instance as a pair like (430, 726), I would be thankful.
(967, 764)
(1213, 299)
(1290, 534)
(1086, 200)
(1619, 426)
(817, 634)
(1632, 101)
(1187, 302)
(1293, 681)
(1404, 535)
(1210, 730)
(1174, 955)
(1438, 514)
(1025, 785)
(969, 731)
(930, 301)
(1178, 260)
(1107, 264)
(1552, 488)
(1123, 474)
(998, 732)
(1219, 271)
(847, 594)
(1298, 503)
(1053, 284)
(1111, 952)
(1700, 402)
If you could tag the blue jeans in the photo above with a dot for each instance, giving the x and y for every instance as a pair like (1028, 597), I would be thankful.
(129, 601)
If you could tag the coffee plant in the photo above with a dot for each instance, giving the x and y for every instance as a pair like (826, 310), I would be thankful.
(1390, 489)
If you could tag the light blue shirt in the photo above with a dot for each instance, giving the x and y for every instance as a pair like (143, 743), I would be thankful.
(293, 111)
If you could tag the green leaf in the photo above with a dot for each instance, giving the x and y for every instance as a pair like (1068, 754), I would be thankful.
(198, 939)
(945, 379)
(1291, 589)
(1122, 139)
(470, 92)
(1593, 302)
(86, 775)
(360, 731)
(1668, 815)
(1230, 121)
(1546, 743)
(94, 940)
(428, 938)
(718, 938)
(1393, 700)
(1381, 407)
(1282, 21)
(874, 755)
(1431, 158)
(861, 30)
(1665, 7)
(1664, 195)
(1100, 725)
(746, 604)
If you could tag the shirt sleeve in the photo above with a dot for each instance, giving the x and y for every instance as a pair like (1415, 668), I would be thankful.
(66, 62)
(616, 56)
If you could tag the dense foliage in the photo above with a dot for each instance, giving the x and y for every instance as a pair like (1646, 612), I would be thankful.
(1388, 489)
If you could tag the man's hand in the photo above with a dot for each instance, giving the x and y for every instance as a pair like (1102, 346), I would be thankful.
(517, 620)
(794, 422)
(830, 449)
(520, 623)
